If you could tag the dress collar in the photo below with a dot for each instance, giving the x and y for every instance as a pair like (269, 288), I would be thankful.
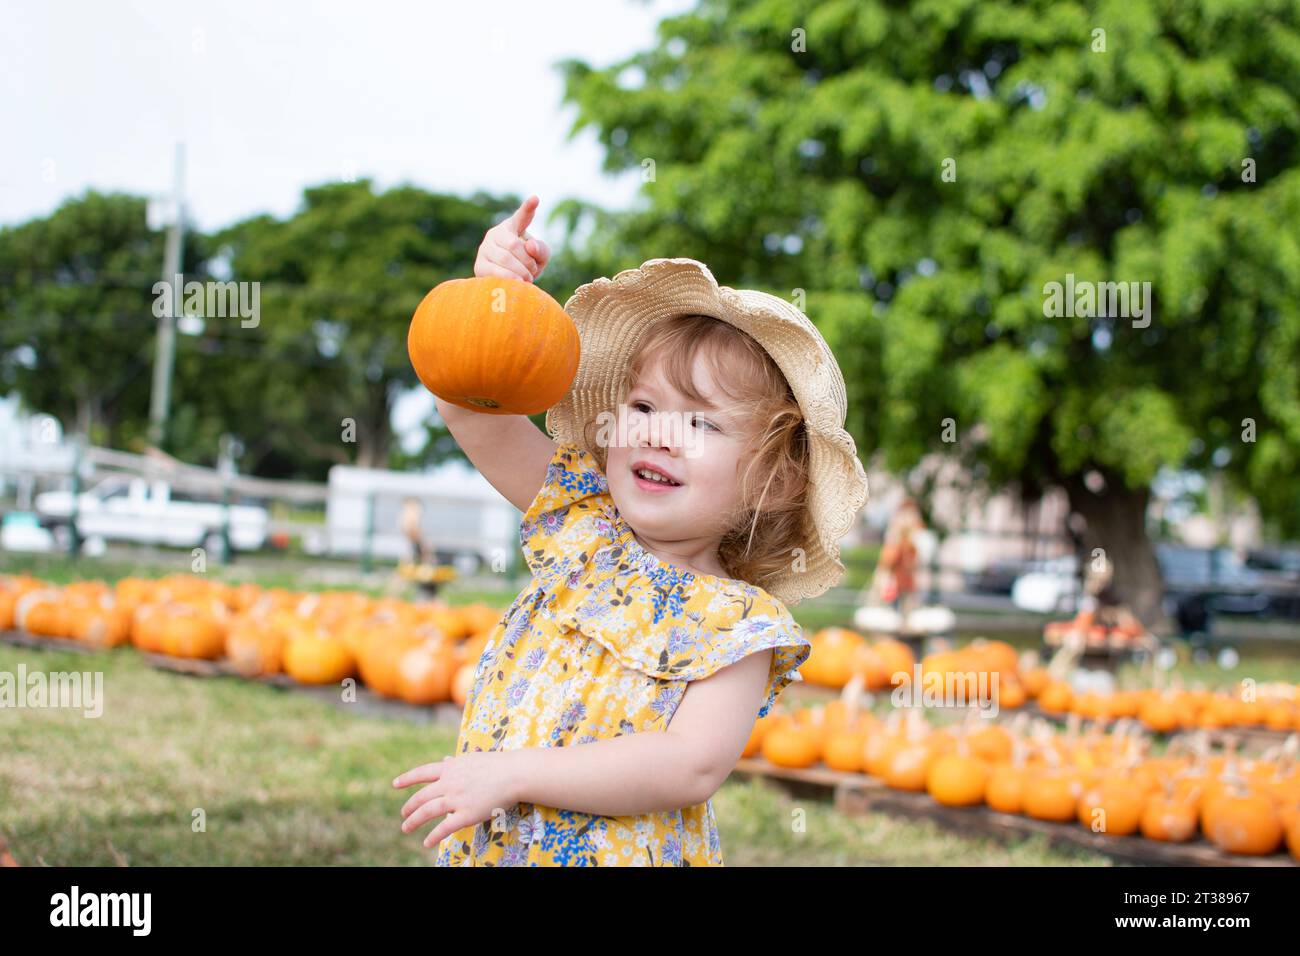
(623, 533)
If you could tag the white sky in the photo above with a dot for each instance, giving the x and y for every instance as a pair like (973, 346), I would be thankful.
(270, 97)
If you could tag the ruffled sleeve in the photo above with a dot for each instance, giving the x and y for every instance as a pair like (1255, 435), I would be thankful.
(691, 645)
(574, 489)
(790, 649)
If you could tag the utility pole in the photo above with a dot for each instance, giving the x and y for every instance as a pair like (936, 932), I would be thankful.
(160, 398)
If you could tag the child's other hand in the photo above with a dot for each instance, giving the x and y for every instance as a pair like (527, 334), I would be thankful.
(509, 251)
(467, 788)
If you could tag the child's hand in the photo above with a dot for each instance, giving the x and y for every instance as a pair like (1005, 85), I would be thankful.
(467, 788)
(509, 251)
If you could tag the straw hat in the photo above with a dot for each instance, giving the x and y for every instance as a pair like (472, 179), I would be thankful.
(611, 315)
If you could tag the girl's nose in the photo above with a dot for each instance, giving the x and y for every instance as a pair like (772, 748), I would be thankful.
(665, 433)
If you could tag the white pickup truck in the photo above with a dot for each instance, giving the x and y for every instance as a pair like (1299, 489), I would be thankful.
(124, 508)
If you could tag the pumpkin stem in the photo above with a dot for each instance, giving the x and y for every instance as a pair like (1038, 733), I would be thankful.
(851, 696)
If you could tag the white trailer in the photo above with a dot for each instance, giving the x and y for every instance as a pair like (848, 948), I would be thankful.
(463, 516)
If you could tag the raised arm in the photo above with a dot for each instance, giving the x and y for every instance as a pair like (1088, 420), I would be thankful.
(509, 450)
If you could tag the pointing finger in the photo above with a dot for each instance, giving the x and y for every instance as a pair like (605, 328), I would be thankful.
(524, 215)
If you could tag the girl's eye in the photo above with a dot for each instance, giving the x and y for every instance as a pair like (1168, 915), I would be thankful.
(638, 406)
(700, 421)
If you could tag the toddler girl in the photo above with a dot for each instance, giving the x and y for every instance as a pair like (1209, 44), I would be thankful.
(699, 479)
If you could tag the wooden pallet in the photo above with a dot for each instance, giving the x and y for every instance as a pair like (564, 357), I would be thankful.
(367, 702)
(857, 794)
(21, 639)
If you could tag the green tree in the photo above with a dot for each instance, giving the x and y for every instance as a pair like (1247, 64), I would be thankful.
(76, 327)
(314, 382)
(923, 170)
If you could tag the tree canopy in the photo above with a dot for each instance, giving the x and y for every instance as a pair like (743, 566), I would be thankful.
(924, 170)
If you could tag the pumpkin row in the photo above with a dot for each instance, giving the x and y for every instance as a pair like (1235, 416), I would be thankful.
(1105, 780)
(839, 655)
(419, 653)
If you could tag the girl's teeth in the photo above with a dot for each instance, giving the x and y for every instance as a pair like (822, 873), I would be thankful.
(650, 476)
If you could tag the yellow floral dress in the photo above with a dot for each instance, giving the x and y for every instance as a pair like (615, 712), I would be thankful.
(602, 643)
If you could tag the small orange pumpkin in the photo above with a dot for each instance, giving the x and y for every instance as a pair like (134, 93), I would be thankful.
(1052, 794)
(1170, 819)
(791, 744)
(311, 657)
(255, 650)
(1240, 820)
(957, 780)
(1057, 697)
(1005, 791)
(494, 345)
(835, 652)
(1115, 806)
(425, 671)
(843, 750)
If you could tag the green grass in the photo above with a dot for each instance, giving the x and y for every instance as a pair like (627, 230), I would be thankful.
(287, 779)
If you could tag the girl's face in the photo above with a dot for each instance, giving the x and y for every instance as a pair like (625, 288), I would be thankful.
(700, 446)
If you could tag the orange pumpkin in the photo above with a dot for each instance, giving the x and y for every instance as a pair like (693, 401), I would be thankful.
(878, 752)
(1239, 820)
(991, 743)
(909, 766)
(452, 621)
(1011, 693)
(1035, 679)
(1114, 806)
(843, 750)
(1005, 790)
(1171, 819)
(254, 649)
(1056, 697)
(104, 627)
(313, 658)
(245, 596)
(425, 671)
(43, 613)
(379, 657)
(477, 618)
(899, 660)
(957, 780)
(791, 745)
(1001, 656)
(1159, 712)
(870, 663)
(146, 628)
(834, 653)
(186, 632)
(1052, 794)
(494, 345)
(813, 720)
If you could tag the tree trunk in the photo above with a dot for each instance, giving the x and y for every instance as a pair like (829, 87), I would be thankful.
(374, 432)
(1116, 523)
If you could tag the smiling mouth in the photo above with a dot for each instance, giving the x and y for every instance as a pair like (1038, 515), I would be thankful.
(657, 483)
